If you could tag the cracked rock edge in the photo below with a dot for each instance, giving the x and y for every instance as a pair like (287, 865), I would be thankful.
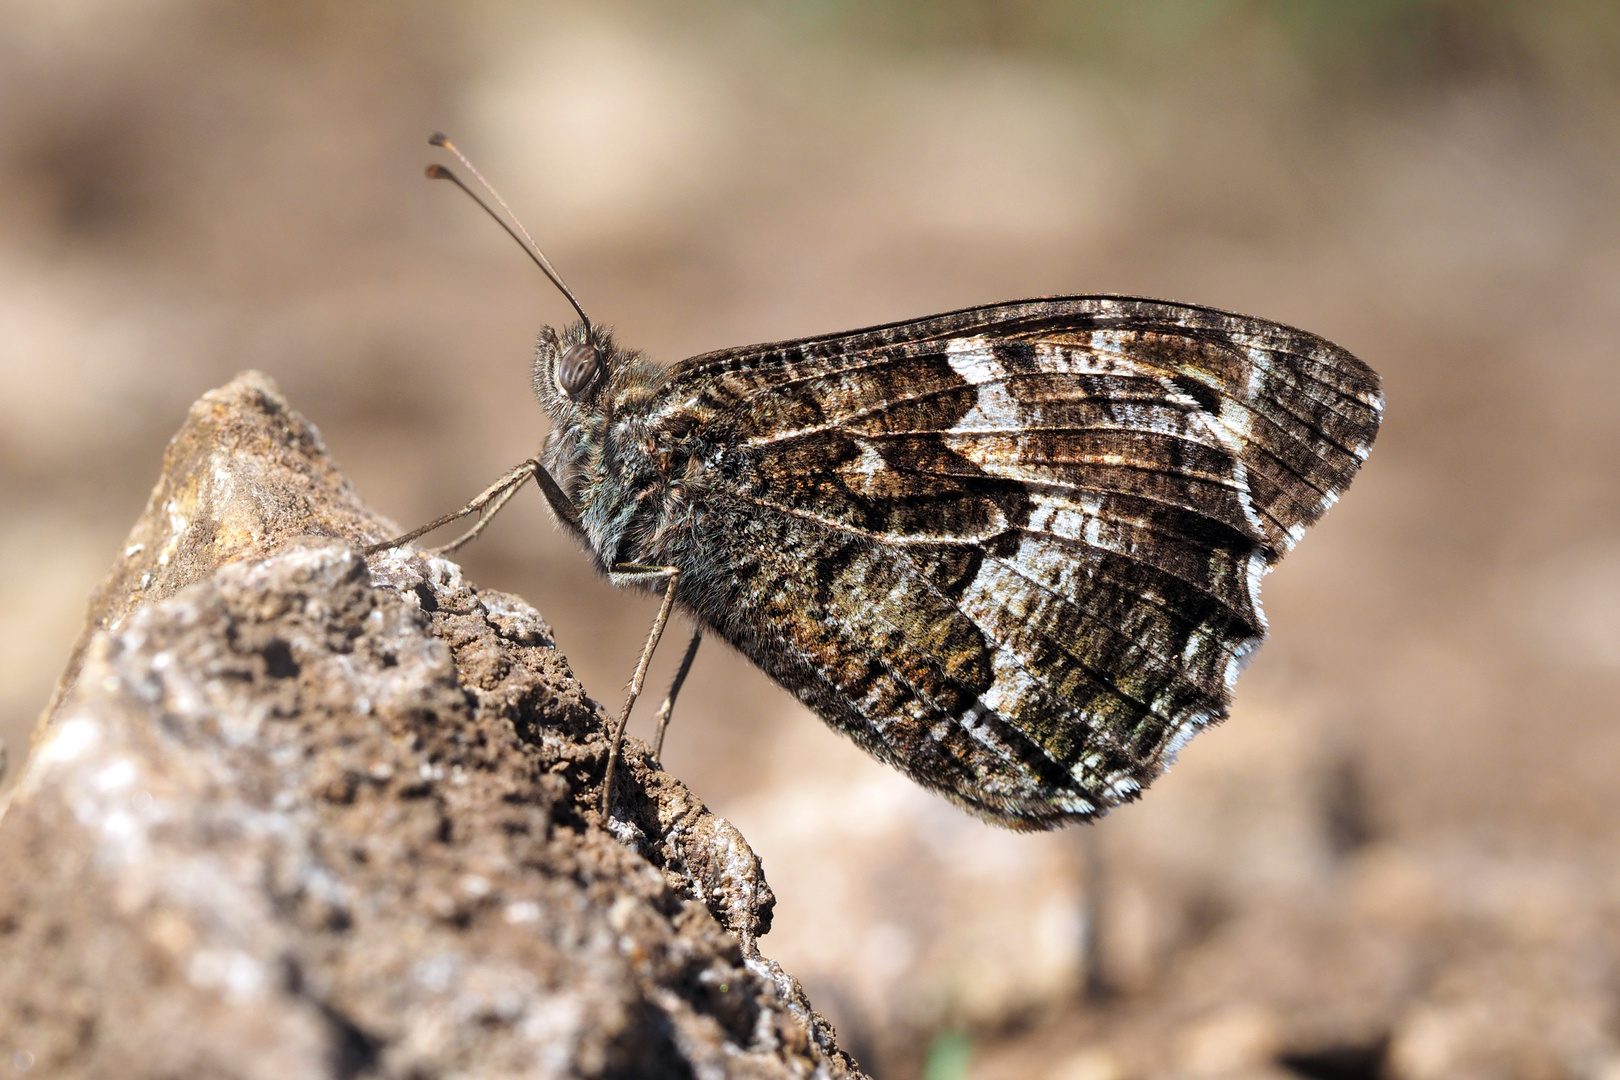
(294, 816)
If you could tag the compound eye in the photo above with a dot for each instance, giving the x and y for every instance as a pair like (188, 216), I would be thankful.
(578, 368)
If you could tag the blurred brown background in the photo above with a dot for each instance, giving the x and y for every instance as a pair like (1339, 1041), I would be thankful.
(1399, 856)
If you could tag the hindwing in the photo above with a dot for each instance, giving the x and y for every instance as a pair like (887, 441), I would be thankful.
(1014, 550)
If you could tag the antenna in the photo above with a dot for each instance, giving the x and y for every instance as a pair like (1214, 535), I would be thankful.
(439, 172)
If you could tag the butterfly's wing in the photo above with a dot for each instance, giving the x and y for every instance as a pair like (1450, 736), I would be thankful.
(1015, 550)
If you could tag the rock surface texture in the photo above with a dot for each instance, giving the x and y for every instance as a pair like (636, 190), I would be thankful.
(294, 816)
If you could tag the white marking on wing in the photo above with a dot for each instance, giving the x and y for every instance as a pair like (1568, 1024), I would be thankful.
(1011, 685)
(1239, 660)
(1121, 786)
(1231, 429)
(1237, 419)
(1195, 642)
(1083, 522)
(869, 464)
(974, 360)
(1260, 361)
(1183, 735)
(994, 409)
(1120, 347)
(1257, 569)
(1062, 358)
(1240, 477)
(977, 715)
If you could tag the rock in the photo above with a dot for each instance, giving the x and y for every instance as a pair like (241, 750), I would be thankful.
(291, 815)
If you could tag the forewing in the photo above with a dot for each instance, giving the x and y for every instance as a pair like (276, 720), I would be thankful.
(1032, 532)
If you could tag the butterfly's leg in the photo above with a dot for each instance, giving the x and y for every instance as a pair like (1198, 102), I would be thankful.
(498, 493)
(674, 690)
(483, 519)
(630, 574)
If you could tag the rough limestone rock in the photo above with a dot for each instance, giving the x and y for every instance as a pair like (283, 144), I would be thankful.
(292, 815)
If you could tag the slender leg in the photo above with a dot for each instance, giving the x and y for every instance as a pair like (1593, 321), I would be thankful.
(498, 493)
(483, 520)
(674, 690)
(629, 575)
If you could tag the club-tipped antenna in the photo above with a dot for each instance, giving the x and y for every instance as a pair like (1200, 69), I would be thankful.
(526, 242)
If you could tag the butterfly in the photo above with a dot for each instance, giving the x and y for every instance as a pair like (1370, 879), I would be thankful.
(1014, 551)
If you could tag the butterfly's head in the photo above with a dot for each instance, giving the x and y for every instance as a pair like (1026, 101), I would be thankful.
(587, 384)
(571, 367)
(581, 376)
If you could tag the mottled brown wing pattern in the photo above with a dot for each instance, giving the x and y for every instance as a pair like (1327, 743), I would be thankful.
(1015, 551)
